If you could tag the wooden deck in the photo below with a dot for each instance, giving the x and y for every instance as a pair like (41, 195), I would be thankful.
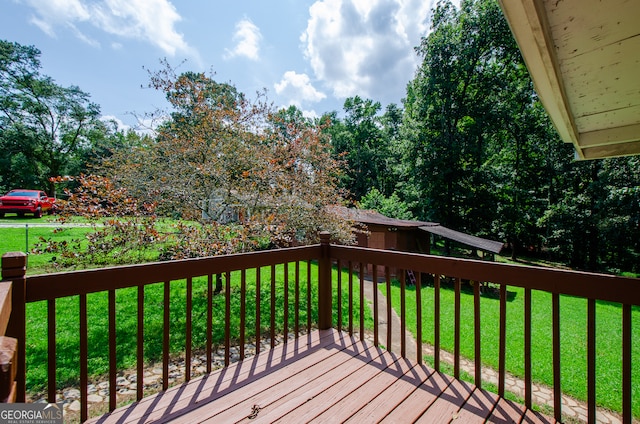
(325, 376)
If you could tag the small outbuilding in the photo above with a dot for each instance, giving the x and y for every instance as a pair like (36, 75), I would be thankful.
(377, 231)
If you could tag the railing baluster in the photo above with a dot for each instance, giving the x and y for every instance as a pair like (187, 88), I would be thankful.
(527, 348)
(456, 320)
(325, 286)
(477, 333)
(626, 364)
(387, 276)
(188, 328)
(339, 294)
(403, 314)
(557, 388)
(209, 320)
(14, 267)
(361, 301)
(436, 322)
(350, 298)
(273, 306)
(140, 345)
(113, 368)
(243, 310)
(51, 337)
(297, 301)
(258, 317)
(419, 318)
(376, 313)
(309, 306)
(84, 353)
(285, 318)
(502, 354)
(591, 360)
(227, 319)
(165, 336)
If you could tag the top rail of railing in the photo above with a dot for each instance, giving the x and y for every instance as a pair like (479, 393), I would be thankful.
(602, 287)
(56, 285)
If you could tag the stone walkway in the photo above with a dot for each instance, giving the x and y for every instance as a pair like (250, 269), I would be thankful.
(572, 410)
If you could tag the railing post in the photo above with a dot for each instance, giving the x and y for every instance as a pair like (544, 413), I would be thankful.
(14, 268)
(324, 284)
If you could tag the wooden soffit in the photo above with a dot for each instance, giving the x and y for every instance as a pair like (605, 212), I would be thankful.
(584, 59)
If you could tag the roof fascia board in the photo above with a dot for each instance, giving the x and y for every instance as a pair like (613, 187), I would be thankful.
(611, 135)
(612, 150)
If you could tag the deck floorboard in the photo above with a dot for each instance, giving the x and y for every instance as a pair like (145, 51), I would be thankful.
(326, 376)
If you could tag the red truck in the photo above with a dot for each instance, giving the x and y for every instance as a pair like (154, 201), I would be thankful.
(22, 201)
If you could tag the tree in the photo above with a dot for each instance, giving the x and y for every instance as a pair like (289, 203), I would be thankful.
(365, 139)
(123, 228)
(391, 206)
(43, 125)
(475, 128)
(439, 109)
(620, 223)
(594, 222)
(106, 138)
(220, 152)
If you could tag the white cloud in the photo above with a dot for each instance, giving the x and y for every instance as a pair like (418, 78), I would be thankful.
(152, 21)
(247, 38)
(115, 122)
(365, 47)
(149, 20)
(311, 114)
(52, 13)
(59, 11)
(297, 88)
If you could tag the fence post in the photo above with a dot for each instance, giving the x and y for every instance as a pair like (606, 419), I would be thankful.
(14, 268)
(324, 284)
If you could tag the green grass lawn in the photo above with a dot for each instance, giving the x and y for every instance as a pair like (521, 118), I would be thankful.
(22, 235)
(573, 333)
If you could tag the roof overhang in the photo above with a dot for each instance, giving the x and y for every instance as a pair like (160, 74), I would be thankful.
(584, 60)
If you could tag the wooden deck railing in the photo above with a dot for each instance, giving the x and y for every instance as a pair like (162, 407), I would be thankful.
(593, 287)
(331, 290)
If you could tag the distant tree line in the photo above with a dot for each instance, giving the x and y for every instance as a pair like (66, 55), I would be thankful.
(474, 150)
(471, 147)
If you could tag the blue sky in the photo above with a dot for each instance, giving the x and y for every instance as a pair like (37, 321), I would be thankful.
(312, 54)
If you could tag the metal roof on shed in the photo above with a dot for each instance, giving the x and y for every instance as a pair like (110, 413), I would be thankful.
(367, 216)
(466, 239)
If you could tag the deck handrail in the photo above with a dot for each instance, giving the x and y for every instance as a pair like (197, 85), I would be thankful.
(609, 288)
(594, 287)
(14, 268)
(591, 286)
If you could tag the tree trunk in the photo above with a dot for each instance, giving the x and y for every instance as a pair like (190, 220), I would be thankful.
(218, 287)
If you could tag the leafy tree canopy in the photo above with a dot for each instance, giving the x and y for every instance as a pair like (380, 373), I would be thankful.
(220, 154)
(44, 126)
